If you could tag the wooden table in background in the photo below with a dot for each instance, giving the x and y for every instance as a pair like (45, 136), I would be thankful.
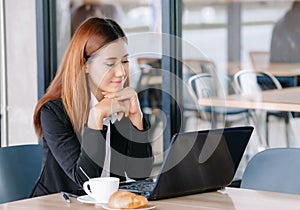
(286, 99)
(277, 69)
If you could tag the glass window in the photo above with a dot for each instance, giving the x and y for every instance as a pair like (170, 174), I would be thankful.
(236, 35)
(141, 20)
(204, 34)
(18, 72)
(265, 33)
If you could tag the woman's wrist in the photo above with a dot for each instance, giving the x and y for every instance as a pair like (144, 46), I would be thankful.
(93, 121)
(137, 120)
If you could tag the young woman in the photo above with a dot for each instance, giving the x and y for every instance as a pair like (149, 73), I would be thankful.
(89, 117)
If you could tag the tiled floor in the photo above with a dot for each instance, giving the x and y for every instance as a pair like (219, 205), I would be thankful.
(277, 138)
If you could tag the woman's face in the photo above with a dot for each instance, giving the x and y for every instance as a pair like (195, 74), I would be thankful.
(108, 68)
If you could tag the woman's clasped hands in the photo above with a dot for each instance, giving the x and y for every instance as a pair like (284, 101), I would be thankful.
(124, 102)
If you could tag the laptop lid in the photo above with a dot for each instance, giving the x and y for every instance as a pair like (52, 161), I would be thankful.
(201, 161)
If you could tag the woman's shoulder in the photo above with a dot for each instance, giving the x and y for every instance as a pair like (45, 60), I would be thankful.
(55, 109)
(56, 106)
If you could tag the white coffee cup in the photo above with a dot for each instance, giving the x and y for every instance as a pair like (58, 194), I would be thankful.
(101, 188)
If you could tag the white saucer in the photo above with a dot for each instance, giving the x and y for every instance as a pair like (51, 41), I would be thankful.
(148, 207)
(87, 199)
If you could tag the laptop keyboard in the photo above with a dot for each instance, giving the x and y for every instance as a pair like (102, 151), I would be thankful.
(139, 187)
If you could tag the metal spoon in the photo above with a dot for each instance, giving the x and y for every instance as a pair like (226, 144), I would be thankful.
(84, 172)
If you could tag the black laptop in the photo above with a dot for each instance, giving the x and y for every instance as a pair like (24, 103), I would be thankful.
(196, 162)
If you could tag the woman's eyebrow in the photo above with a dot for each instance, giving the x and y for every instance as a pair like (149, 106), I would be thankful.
(115, 58)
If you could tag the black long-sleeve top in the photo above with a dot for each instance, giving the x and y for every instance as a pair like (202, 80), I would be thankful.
(64, 151)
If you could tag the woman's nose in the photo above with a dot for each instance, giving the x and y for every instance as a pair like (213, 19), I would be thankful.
(120, 70)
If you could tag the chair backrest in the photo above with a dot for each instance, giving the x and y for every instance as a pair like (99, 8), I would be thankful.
(202, 86)
(259, 59)
(250, 81)
(20, 167)
(275, 169)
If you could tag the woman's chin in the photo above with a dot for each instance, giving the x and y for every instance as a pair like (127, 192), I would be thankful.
(113, 89)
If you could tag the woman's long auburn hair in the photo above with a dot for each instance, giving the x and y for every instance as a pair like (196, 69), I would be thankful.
(70, 82)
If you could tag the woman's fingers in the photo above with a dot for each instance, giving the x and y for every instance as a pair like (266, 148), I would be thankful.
(106, 108)
(134, 104)
(116, 96)
(124, 106)
(123, 94)
(120, 115)
(124, 102)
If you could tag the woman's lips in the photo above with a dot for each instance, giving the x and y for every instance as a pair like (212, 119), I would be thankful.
(117, 82)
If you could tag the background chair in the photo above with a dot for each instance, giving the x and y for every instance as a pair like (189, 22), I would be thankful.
(275, 169)
(253, 82)
(259, 59)
(20, 167)
(192, 67)
(204, 85)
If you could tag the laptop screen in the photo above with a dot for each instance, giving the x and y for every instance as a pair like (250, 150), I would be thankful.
(201, 161)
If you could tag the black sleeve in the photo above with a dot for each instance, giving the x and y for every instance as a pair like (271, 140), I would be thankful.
(138, 159)
(66, 147)
(72, 151)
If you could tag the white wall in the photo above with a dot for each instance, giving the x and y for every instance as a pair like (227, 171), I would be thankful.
(21, 70)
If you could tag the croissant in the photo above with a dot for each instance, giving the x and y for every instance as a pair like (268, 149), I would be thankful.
(123, 199)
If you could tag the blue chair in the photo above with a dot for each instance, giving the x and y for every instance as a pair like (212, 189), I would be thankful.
(20, 167)
(275, 170)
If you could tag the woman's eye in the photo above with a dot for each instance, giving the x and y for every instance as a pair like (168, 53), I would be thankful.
(126, 61)
(110, 64)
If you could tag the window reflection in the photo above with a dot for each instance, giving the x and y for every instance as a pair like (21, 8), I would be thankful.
(92, 8)
(135, 16)
(285, 43)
